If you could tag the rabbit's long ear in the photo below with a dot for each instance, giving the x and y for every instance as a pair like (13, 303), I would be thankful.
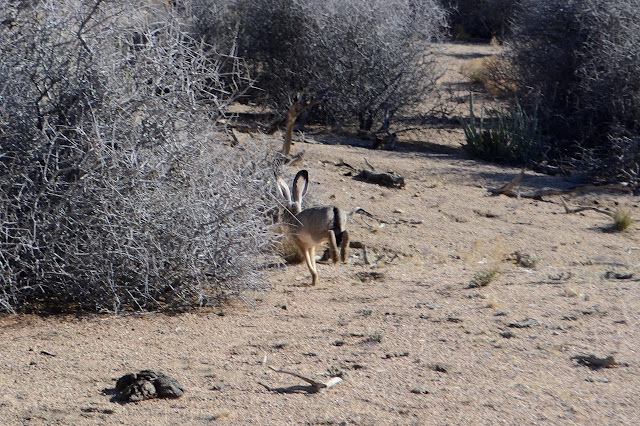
(284, 189)
(300, 186)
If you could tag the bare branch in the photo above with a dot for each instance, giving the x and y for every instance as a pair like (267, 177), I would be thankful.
(508, 190)
(314, 388)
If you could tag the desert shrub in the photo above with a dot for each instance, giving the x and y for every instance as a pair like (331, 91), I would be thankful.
(509, 137)
(484, 277)
(622, 220)
(490, 73)
(116, 191)
(578, 63)
(365, 60)
(483, 20)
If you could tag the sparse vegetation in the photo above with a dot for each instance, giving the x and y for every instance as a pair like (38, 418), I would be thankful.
(364, 60)
(622, 220)
(475, 70)
(484, 277)
(575, 65)
(490, 73)
(506, 138)
(375, 337)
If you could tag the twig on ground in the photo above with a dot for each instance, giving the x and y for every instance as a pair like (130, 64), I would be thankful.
(362, 211)
(610, 263)
(359, 245)
(368, 164)
(578, 209)
(314, 388)
(341, 163)
(597, 362)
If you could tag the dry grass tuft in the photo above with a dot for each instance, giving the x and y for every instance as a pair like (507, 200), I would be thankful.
(489, 72)
(485, 277)
(622, 220)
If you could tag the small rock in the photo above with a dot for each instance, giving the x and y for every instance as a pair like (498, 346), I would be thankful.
(422, 390)
(218, 386)
(395, 355)
(439, 367)
(526, 322)
(612, 275)
(597, 379)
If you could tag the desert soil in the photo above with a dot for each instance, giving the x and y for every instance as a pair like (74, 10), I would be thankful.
(413, 340)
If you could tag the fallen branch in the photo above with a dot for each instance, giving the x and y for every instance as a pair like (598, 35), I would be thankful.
(369, 164)
(386, 179)
(359, 245)
(314, 388)
(578, 209)
(509, 186)
(326, 256)
(341, 163)
(609, 263)
(362, 211)
(292, 160)
(597, 362)
(538, 194)
(370, 175)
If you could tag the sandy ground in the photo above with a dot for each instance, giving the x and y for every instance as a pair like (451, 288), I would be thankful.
(414, 342)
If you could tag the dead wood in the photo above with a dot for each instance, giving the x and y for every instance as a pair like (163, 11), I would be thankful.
(314, 387)
(597, 362)
(362, 211)
(369, 164)
(341, 163)
(292, 113)
(387, 136)
(509, 186)
(292, 160)
(390, 179)
(326, 256)
(609, 263)
(578, 209)
(545, 192)
(359, 245)
(234, 137)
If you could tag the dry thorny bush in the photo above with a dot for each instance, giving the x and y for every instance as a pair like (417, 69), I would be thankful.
(365, 61)
(575, 64)
(117, 192)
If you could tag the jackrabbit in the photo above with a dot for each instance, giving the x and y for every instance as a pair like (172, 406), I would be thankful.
(312, 226)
